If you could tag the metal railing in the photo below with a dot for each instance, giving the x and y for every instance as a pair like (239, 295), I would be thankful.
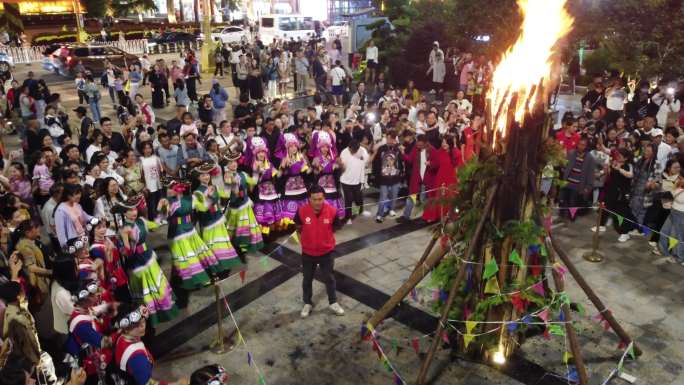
(32, 54)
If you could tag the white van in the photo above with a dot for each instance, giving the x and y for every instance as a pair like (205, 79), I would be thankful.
(285, 27)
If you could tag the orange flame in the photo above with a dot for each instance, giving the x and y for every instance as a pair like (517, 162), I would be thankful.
(528, 62)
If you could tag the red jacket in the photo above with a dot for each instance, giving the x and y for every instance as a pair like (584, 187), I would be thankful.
(413, 159)
(316, 233)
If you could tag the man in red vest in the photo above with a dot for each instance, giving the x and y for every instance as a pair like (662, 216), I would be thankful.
(315, 221)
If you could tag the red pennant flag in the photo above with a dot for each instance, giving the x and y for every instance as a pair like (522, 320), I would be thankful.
(444, 241)
(415, 344)
(243, 273)
(519, 304)
(548, 222)
(445, 337)
(376, 347)
(606, 325)
(622, 345)
(466, 312)
(547, 335)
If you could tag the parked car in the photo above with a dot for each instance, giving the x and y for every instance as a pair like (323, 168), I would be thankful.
(63, 59)
(231, 34)
(172, 37)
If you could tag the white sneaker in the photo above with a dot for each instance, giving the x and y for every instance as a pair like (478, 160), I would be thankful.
(349, 221)
(656, 251)
(392, 213)
(306, 310)
(601, 229)
(672, 260)
(336, 308)
(624, 238)
(366, 213)
(652, 244)
(432, 91)
(635, 232)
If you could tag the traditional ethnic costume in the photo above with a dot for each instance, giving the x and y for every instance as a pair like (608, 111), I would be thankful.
(267, 207)
(328, 177)
(242, 223)
(146, 280)
(132, 361)
(193, 261)
(293, 175)
(87, 345)
(212, 222)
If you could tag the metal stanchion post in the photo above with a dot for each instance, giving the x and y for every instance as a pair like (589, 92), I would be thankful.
(218, 346)
(595, 255)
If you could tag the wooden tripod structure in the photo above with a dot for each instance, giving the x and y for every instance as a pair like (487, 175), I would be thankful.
(512, 196)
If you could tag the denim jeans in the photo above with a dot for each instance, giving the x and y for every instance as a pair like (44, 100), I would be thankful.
(388, 196)
(95, 110)
(409, 202)
(112, 94)
(673, 227)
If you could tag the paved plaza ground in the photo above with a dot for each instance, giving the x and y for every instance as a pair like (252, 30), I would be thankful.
(373, 260)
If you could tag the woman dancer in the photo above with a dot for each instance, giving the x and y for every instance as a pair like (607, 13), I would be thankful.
(193, 261)
(325, 167)
(267, 208)
(211, 220)
(146, 280)
(294, 167)
(242, 223)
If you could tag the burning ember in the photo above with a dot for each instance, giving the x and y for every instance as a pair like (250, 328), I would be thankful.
(528, 63)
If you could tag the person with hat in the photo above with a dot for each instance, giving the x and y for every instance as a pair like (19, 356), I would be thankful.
(213, 374)
(102, 249)
(133, 362)
(193, 262)
(437, 67)
(293, 168)
(243, 226)
(267, 208)
(87, 345)
(326, 166)
(212, 222)
(146, 280)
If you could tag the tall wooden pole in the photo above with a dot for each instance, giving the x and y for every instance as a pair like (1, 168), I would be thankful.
(456, 284)
(607, 315)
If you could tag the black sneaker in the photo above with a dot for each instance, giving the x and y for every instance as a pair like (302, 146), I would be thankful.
(402, 219)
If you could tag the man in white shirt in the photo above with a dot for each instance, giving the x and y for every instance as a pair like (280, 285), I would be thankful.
(354, 159)
(663, 150)
(372, 60)
(337, 78)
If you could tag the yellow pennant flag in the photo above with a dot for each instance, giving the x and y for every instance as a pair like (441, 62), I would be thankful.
(467, 339)
(240, 339)
(265, 230)
(567, 356)
(492, 286)
(370, 327)
(295, 237)
(414, 198)
(672, 242)
(470, 325)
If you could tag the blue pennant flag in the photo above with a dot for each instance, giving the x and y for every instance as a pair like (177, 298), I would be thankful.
(646, 230)
(443, 295)
(249, 358)
(279, 251)
(512, 327)
(364, 330)
(527, 319)
(469, 277)
(572, 374)
(533, 249)
(397, 380)
(561, 316)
